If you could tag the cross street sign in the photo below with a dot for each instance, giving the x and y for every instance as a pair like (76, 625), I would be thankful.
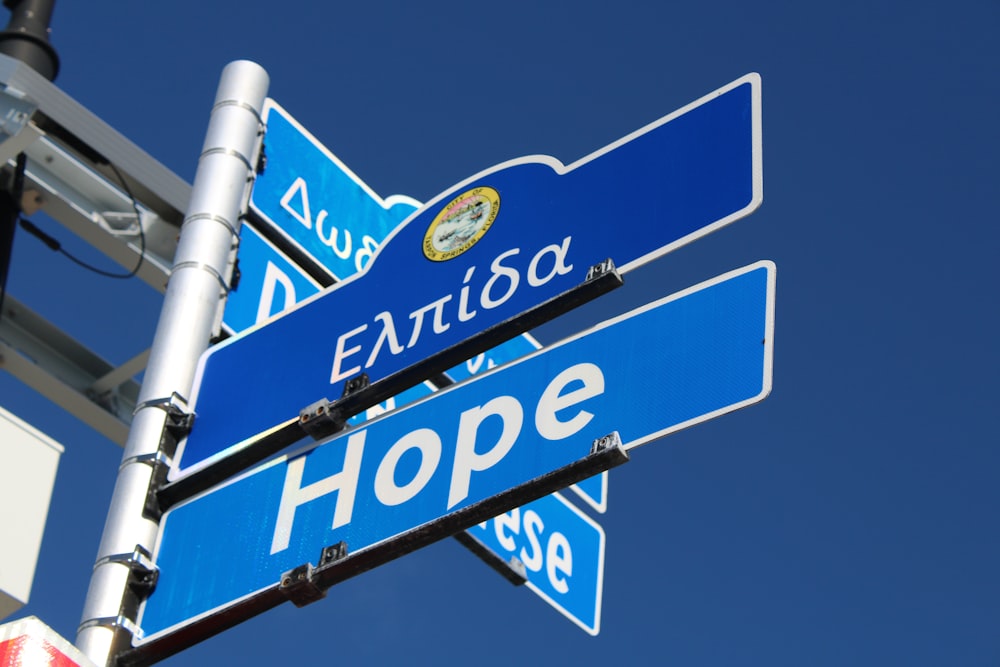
(316, 203)
(562, 550)
(460, 456)
(479, 256)
(270, 283)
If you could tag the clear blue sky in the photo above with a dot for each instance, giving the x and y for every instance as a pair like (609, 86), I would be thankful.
(850, 518)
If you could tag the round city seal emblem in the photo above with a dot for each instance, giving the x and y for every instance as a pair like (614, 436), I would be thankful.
(461, 223)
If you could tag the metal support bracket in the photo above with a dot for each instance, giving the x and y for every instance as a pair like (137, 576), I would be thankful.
(610, 441)
(318, 420)
(332, 554)
(601, 269)
(179, 420)
(299, 584)
(113, 622)
(142, 578)
(143, 573)
(160, 463)
(322, 418)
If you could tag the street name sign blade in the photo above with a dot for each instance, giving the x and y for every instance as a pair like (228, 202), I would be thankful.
(316, 203)
(594, 490)
(271, 283)
(562, 550)
(481, 254)
(667, 366)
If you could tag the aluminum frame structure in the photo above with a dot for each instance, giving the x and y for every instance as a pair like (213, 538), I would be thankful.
(74, 160)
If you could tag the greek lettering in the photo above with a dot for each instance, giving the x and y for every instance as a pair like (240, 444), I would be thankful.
(500, 271)
(418, 318)
(463, 300)
(473, 365)
(298, 188)
(331, 240)
(558, 263)
(340, 353)
(365, 252)
(388, 334)
(500, 286)
(381, 408)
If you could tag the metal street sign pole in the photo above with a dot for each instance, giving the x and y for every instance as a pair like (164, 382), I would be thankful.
(190, 316)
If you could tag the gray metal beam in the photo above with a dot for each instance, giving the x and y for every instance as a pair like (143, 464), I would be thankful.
(84, 174)
(48, 360)
(74, 162)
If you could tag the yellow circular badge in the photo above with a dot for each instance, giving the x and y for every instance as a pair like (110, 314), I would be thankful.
(461, 223)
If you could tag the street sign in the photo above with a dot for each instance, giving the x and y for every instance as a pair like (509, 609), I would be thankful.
(460, 456)
(479, 256)
(562, 550)
(316, 203)
(594, 490)
(270, 283)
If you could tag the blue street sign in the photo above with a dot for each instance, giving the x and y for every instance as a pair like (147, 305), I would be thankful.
(593, 490)
(666, 366)
(270, 283)
(562, 550)
(316, 203)
(482, 253)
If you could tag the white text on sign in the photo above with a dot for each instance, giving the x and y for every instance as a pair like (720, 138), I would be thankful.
(503, 282)
(566, 390)
(303, 214)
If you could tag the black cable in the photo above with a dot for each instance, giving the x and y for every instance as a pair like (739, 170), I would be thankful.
(53, 244)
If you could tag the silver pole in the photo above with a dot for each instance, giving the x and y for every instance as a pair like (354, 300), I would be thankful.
(191, 313)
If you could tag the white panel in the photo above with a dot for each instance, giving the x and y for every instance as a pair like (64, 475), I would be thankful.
(28, 462)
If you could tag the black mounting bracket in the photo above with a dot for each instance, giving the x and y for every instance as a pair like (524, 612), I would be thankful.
(143, 573)
(160, 464)
(178, 423)
(609, 441)
(319, 421)
(601, 269)
(322, 418)
(299, 584)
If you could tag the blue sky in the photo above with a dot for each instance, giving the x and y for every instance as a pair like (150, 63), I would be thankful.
(847, 519)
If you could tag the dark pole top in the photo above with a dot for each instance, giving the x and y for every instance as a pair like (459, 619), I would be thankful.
(26, 37)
